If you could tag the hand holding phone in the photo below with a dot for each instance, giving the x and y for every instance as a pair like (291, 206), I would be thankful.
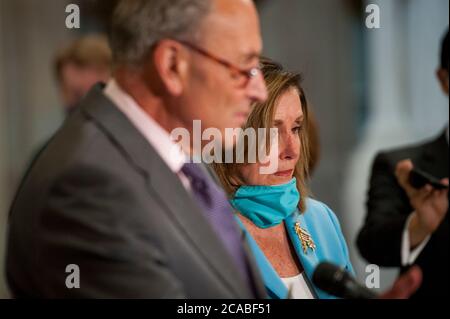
(419, 178)
(429, 205)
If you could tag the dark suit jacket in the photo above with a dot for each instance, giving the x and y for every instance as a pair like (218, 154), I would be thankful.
(388, 207)
(98, 196)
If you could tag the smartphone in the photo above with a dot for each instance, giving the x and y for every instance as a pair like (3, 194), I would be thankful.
(419, 178)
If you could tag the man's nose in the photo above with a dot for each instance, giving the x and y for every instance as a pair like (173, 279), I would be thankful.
(257, 89)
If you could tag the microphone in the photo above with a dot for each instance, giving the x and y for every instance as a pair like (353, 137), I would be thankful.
(337, 282)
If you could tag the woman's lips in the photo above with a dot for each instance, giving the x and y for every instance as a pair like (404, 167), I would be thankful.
(284, 173)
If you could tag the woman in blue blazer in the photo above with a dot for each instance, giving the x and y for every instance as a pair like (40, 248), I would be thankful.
(323, 226)
(289, 232)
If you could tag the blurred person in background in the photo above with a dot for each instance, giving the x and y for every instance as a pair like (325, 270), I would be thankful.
(404, 225)
(78, 66)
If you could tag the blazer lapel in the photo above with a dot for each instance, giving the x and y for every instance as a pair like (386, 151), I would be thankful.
(165, 186)
(308, 259)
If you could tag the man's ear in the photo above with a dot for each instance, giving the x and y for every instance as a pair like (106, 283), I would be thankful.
(442, 75)
(169, 58)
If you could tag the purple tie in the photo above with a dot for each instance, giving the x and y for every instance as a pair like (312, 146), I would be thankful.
(219, 213)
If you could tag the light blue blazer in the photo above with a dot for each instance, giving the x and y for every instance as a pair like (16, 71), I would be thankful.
(321, 223)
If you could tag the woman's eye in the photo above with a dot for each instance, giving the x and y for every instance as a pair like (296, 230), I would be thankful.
(297, 129)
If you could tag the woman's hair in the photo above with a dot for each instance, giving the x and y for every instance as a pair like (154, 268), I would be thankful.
(278, 81)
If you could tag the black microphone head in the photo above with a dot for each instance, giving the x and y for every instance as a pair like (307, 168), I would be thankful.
(330, 278)
(337, 282)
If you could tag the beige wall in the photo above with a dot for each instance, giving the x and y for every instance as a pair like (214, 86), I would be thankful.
(30, 32)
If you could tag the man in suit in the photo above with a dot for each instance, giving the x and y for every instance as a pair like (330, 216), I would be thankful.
(406, 226)
(108, 208)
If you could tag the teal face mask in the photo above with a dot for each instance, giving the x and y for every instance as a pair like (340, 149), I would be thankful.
(267, 206)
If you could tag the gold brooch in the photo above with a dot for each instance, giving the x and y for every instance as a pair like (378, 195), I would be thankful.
(305, 238)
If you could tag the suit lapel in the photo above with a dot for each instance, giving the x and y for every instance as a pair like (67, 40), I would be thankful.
(166, 187)
(253, 267)
(189, 217)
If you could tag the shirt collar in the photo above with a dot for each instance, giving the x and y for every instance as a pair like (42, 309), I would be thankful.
(158, 137)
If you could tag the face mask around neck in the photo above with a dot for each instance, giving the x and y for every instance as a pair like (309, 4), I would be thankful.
(267, 206)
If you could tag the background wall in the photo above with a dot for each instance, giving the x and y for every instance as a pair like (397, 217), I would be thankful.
(30, 33)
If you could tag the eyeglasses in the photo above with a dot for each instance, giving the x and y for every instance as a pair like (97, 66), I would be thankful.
(241, 76)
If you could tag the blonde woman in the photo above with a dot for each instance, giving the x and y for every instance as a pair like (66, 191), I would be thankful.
(289, 232)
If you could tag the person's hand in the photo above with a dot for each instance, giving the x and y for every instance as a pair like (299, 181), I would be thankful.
(430, 204)
(405, 285)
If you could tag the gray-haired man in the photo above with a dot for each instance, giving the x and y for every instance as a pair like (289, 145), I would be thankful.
(109, 201)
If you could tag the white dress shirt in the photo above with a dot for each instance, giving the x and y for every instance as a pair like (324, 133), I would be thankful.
(170, 152)
(409, 256)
